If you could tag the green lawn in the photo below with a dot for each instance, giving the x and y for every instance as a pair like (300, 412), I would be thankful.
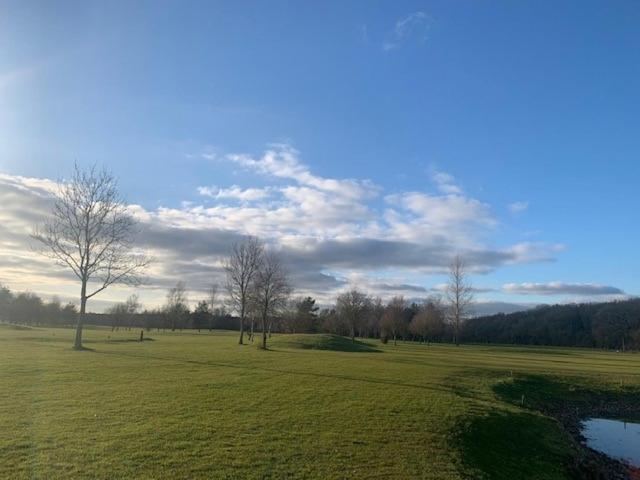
(197, 405)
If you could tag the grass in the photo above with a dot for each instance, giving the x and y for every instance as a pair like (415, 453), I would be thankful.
(323, 342)
(189, 405)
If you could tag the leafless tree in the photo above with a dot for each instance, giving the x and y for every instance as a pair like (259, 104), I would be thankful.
(177, 306)
(459, 295)
(270, 293)
(241, 268)
(124, 313)
(374, 318)
(133, 307)
(213, 296)
(352, 306)
(253, 310)
(392, 322)
(91, 232)
(429, 322)
(289, 317)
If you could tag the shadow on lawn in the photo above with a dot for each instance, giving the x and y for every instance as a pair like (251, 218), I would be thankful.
(124, 340)
(509, 444)
(334, 343)
(286, 371)
(570, 402)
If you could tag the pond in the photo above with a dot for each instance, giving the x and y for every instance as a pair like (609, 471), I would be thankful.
(614, 438)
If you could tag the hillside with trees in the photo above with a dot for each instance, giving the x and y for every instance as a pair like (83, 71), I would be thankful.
(613, 325)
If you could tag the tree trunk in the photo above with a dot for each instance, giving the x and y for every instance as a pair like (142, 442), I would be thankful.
(241, 326)
(77, 344)
(264, 333)
(456, 331)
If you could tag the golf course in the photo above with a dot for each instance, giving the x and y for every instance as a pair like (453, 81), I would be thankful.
(198, 405)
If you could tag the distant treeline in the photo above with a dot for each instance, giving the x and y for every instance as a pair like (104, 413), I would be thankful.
(614, 325)
(158, 319)
(27, 308)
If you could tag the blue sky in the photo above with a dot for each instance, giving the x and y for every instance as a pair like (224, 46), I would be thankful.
(522, 115)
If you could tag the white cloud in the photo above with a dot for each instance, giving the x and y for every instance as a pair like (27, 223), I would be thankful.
(283, 161)
(42, 187)
(416, 25)
(535, 252)
(444, 211)
(446, 183)
(518, 207)
(320, 224)
(235, 192)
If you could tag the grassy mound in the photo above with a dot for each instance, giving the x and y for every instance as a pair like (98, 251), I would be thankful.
(323, 342)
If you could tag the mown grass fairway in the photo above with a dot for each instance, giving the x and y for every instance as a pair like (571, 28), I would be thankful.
(189, 405)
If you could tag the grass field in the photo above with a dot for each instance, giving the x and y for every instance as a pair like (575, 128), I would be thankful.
(197, 405)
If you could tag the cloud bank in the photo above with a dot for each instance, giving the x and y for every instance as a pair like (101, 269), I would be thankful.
(560, 288)
(331, 232)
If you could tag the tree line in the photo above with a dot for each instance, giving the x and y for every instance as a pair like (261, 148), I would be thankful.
(612, 325)
(26, 308)
(355, 314)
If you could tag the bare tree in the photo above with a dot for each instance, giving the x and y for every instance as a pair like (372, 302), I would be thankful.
(213, 296)
(392, 322)
(270, 292)
(124, 313)
(374, 318)
(177, 306)
(289, 317)
(459, 295)
(241, 268)
(133, 307)
(91, 232)
(253, 310)
(429, 322)
(352, 306)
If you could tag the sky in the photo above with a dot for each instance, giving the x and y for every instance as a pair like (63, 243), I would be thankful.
(366, 142)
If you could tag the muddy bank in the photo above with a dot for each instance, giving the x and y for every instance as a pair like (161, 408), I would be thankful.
(569, 404)
(591, 464)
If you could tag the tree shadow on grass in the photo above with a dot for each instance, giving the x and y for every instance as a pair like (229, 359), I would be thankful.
(334, 343)
(123, 340)
(350, 378)
(514, 445)
(570, 400)
(83, 349)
